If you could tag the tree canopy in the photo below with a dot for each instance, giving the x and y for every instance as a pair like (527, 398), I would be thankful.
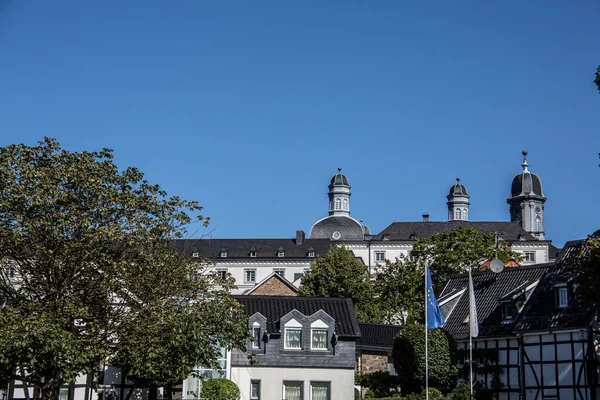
(341, 274)
(88, 273)
(586, 261)
(409, 359)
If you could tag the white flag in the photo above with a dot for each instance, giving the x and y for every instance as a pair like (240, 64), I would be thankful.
(473, 324)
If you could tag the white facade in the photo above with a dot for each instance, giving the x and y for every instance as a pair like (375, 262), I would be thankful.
(272, 381)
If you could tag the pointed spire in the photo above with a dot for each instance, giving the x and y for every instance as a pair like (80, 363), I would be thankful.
(525, 165)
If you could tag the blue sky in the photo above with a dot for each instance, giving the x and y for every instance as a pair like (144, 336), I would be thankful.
(250, 107)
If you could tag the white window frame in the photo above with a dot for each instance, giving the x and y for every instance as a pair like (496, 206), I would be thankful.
(279, 271)
(295, 326)
(221, 273)
(256, 331)
(280, 252)
(253, 253)
(195, 254)
(321, 384)
(380, 255)
(338, 203)
(311, 252)
(319, 325)
(246, 272)
(299, 384)
(223, 253)
(529, 256)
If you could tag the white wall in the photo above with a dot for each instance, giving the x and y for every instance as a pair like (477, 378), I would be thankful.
(271, 381)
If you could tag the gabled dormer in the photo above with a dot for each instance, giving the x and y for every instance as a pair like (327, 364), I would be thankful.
(258, 331)
(563, 292)
(512, 303)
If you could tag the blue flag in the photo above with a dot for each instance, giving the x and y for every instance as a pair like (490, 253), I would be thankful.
(435, 319)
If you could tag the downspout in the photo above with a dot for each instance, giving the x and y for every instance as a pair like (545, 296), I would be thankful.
(521, 366)
(369, 257)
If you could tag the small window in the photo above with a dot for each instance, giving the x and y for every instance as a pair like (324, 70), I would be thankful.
(280, 252)
(345, 204)
(195, 254)
(250, 275)
(256, 337)
(320, 391)
(280, 272)
(311, 252)
(253, 252)
(293, 390)
(222, 274)
(255, 390)
(223, 252)
(293, 335)
(562, 297)
(338, 203)
(380, 256)
(318, 339)
(529, 256)
(508, 312)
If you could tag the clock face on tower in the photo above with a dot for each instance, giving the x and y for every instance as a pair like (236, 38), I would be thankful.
(538, 209)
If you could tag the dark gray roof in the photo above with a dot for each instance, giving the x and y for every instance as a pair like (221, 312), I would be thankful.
(240, 248)
(339, 179)
(349, 228)
(553, 252)
(489, 289)
(526, 184)
(377, 336)
(541, 312)
(457, 190)
(507, 231)
(275, 307)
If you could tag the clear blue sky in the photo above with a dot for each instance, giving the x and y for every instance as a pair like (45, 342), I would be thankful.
(249, 107)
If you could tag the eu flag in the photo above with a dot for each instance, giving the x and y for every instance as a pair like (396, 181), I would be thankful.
(435, 319)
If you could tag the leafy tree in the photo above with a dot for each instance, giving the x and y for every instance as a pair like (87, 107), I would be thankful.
(456, 250)
(585, 259)
(88, 273)
(462, 391)
(409, 359)
(400, 289)
(220, 389)
(341, 274)
(380, 383)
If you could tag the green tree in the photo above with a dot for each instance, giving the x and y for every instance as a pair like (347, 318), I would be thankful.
(341, 274)
(585, 259)
(456, 250)
(220, 389)
(409, 359)
(400, 288)
(86, 258)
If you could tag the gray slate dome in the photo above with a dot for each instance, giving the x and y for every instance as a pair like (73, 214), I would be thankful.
(337, 228)
(339, 179)
(458, 189)
(526, 183)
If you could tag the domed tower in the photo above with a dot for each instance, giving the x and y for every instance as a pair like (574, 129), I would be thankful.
(527, 201)
(339, 195)
(458, 202)
(339, 225)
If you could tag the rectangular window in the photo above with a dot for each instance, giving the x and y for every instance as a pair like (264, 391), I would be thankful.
(256, 338)
(297, 275)
(250, 275)
(563, 297)
(280, 272)
(293, 390)
(293, 338)
(222, 274)
(508, 311)
(529, 256)
(319, 390)
(255, 390)
(380, 256)
(318, 339)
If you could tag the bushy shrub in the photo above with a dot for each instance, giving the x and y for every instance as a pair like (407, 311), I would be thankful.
(380, 383)
(220, 389)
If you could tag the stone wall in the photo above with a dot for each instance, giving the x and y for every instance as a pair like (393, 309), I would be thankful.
(372, 362)
(273, 287)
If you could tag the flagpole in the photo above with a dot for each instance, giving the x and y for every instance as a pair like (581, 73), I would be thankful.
(426, 352)
(470, 332)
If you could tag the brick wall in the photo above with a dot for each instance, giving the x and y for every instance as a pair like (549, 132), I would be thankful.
(372, 362)
(273, 287)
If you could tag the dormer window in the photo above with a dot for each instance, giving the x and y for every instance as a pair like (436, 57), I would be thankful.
(280, 252)
(311, 252)
(256, 335)
(253, 252)
(561, 295)
(529, 256)
(223, 252)
(318, 335)
(293, 335)
(195, 253)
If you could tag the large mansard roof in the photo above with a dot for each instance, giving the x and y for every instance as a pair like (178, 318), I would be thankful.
(264, 248)
(337, 227)
(507, 231)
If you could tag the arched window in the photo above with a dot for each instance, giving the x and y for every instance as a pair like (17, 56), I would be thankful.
(538, 224)
(345, 204)
(457, 214)
(338, 203)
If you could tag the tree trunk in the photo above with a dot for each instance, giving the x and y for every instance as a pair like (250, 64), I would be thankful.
(50, 389)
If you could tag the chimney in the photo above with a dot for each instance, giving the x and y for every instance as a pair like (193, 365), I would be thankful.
(425, 217)
(300, 238)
